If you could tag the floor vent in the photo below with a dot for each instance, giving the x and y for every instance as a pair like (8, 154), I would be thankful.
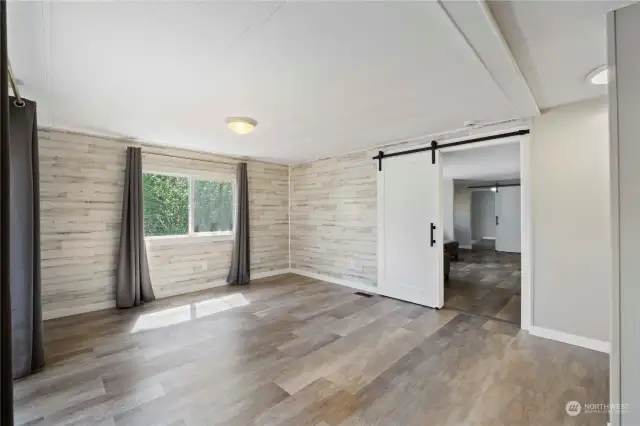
(359, 293)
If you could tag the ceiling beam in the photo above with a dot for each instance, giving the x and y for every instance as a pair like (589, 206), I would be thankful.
(476, 24)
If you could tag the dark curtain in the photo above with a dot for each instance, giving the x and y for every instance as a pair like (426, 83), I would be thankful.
(133, 282)
(240, 262)
(6, 371)
(28, 350)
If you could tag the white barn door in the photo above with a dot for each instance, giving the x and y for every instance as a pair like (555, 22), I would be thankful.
(508, 211)
(410, 252)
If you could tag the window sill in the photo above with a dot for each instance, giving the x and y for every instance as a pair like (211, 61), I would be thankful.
(187, 239)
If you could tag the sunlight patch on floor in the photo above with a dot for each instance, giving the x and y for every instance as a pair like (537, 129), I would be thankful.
(180, 314)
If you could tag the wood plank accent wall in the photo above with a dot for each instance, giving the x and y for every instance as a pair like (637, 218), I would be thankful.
(334, 210)
(333, 217)
(81, 183)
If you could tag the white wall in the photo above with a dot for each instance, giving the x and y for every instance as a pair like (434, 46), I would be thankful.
(483, 215)
(624, 58)
(462, 215)
(571, 236)
(447, 200)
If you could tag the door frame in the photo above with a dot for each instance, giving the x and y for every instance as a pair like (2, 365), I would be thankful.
(526, 220)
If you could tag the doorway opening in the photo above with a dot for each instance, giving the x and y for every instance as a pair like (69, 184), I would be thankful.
(483, 232)
(419, 245)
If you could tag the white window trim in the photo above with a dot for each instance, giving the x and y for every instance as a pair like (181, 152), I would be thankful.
(214, 236)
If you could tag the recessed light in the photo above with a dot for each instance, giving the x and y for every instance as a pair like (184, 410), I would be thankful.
(599, 75)
(241, 125)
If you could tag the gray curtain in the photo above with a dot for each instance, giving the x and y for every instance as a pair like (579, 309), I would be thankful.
(133, 282)
(6, 370)
(24, 184)
(240, 262)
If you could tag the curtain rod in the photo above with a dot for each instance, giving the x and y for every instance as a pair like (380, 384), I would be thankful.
(230, 163)
(18, 102)
(146, 144)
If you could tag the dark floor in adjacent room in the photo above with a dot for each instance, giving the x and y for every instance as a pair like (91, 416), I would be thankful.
(485, 282)
(295, 351)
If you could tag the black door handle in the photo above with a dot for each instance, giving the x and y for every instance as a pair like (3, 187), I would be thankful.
(433, 227)
(497, 221)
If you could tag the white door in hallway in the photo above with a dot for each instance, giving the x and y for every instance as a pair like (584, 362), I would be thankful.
(508, 213)
(410, 229)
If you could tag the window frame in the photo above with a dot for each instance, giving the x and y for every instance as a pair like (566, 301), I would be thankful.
(191, 177)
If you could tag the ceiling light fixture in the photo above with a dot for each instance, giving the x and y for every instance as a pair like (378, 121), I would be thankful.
(599, 75)
(241, 125)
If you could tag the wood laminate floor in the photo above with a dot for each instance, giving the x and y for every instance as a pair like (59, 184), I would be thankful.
(294, 351)
(485, 282)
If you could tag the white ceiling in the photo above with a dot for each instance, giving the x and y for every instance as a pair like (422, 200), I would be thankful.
(498, 162)
(556, 44)
(321, 78)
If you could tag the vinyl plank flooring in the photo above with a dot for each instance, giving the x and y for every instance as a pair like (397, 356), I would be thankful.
(430, 321)
(284, 412)
(305, 345)
(511, 310)
(241, 411)
(339, 353)
(365, 316)
(485, 282)
(364, 369)
(295, 351)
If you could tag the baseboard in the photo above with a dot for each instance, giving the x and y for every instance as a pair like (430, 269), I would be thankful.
(352, 284)
(572, 339)
(219, 283)
(268, 274)
(76, 310)
(160, 294)
(177, 291)
(488, 238)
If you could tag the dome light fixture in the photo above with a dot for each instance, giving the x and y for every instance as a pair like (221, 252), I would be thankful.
(241, 125)
(599, 75)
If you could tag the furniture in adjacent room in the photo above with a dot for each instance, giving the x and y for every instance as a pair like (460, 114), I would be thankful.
(452, 247)
(446, 267)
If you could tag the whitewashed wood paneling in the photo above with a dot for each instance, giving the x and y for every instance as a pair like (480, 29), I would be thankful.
(82, 179)
(333, 217)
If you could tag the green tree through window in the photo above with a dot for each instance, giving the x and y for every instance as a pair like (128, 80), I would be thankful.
(167, 205)
(213, 204)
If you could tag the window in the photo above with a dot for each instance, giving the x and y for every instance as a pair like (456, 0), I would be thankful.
(187, 205)
(212, 206)
(166, 205)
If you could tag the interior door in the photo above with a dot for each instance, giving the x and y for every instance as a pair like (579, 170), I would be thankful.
(410, 229)
(508, 230)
